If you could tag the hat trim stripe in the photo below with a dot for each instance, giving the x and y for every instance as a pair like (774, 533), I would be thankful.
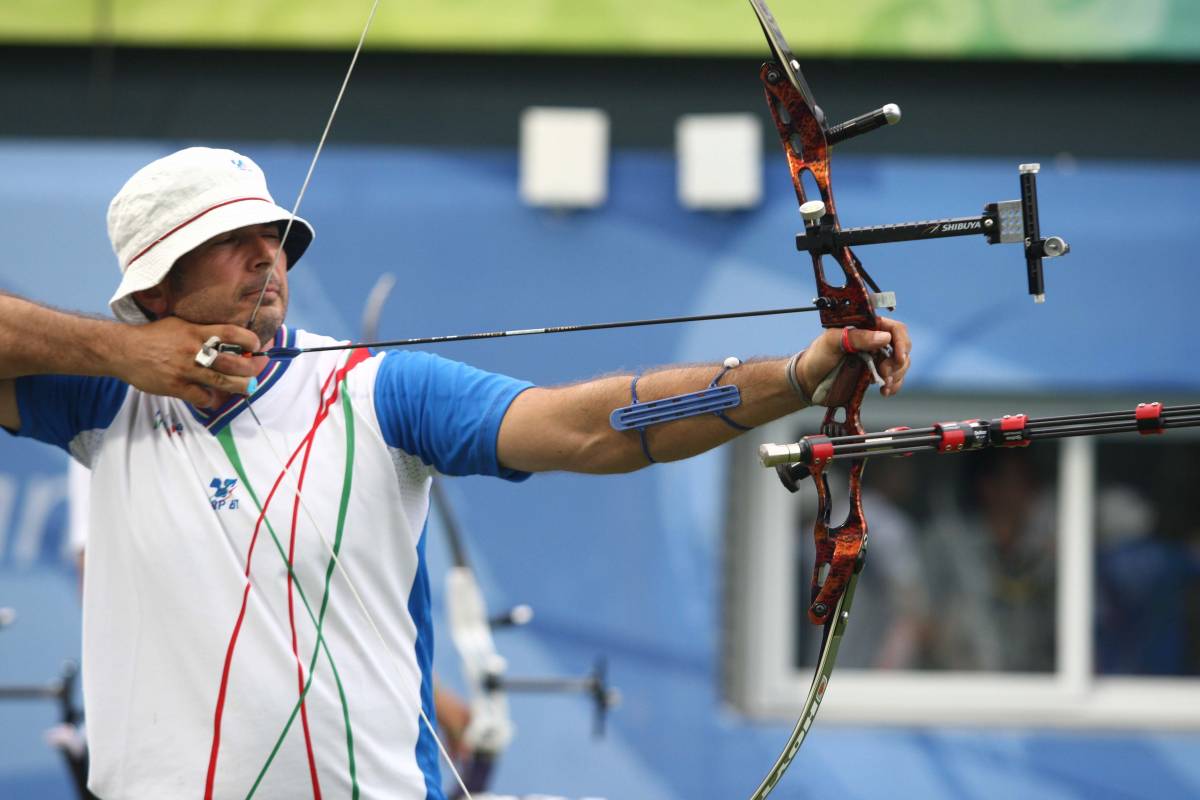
(185, 223)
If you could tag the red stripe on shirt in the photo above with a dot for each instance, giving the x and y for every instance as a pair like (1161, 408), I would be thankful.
(356, 357)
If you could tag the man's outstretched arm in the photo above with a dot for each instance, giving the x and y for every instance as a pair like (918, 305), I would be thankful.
(567, 428)
(156, 358)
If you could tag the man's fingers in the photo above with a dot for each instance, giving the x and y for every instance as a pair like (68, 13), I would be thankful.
(232, 334)
(197, 395)
(865, 341)
(161, 361)
(232, 373)
(893, 368)
(239, 365)
(901, 342)
(206, 377)
(889, 345)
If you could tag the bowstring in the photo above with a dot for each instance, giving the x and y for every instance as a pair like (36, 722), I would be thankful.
(312, 166)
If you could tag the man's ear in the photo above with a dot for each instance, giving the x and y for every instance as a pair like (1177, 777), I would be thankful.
(152, 301)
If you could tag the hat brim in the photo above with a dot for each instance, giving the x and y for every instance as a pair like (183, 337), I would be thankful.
(154, 264)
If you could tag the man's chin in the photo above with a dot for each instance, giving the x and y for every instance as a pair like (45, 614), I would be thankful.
(266, 320)
(266, 325)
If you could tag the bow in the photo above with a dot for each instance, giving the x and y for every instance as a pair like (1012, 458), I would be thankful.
(807, 141)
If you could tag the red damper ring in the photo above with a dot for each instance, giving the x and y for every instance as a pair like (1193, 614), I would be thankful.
(1149, 418)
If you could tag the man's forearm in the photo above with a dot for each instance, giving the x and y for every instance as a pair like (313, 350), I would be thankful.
(35, 339)
(766, 394)
(568, 428)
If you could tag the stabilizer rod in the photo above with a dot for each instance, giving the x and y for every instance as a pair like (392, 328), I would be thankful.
(1012, 430)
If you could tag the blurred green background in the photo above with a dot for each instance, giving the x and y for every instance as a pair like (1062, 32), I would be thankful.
(1039, 29)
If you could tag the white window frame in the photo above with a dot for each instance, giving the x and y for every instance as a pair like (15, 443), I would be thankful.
(759, 614)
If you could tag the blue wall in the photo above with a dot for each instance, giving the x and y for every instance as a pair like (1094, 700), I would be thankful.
(628, 565)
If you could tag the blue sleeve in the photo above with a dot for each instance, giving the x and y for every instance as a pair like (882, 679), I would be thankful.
(446, 413)
(56, 408)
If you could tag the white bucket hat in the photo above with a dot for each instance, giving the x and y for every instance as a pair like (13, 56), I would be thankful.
(174, 204)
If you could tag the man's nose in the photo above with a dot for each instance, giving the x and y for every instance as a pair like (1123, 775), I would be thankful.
(264, 247)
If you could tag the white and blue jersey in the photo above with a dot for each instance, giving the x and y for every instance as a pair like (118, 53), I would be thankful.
(224, 650)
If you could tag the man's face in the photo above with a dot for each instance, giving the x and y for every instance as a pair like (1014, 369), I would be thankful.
(220, 282)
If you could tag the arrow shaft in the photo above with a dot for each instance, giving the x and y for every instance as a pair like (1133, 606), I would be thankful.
(284, 352)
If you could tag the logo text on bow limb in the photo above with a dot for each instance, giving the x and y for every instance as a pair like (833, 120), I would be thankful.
(222, 494)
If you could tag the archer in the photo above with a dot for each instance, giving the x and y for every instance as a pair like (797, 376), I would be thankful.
(291, 493)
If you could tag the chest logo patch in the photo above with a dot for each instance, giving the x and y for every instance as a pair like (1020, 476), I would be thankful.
(222, 497)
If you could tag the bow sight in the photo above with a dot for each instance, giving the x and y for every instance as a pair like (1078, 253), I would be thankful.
(1003, 222)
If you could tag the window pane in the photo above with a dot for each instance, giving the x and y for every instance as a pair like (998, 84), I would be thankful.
(1147, 564)
(960, 573)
